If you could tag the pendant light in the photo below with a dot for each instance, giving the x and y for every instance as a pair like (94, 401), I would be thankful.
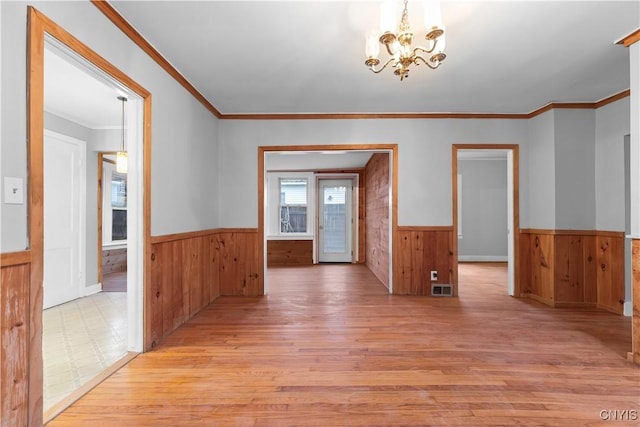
(121, 156)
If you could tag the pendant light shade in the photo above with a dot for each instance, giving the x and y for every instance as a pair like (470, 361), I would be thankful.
(122, 162)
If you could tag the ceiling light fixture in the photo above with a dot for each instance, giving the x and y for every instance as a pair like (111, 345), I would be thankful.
(121, 156)
(399, 40)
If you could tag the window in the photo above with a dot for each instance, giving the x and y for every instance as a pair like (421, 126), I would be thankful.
(118, 190)
(118, 206)
(293, 205)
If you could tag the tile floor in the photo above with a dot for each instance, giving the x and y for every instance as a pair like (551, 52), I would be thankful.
(81, 338)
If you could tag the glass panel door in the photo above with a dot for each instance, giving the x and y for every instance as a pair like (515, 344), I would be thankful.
(335, 220)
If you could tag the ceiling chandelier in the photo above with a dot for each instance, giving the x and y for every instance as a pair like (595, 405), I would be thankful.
(398, 40)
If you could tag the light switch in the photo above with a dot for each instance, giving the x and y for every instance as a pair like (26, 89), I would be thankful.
(13, 190)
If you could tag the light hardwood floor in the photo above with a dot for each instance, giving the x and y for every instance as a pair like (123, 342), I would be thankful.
(330, 347)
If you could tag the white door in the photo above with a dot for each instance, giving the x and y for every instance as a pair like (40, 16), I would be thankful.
(64, 218)
(335, 220)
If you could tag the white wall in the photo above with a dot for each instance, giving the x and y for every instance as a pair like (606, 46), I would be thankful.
(424, 195)
(634, 106)
(612, 124)
(541, 167)
(484, 210)
(184, 179)
(13, 129)
(575, 169)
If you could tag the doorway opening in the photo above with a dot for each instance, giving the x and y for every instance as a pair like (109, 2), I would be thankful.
(487, 214)
(62, 184)
(112, 224)
(335, 206)
(628, 240)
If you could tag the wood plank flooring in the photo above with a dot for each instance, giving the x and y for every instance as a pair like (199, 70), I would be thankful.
(330, 347)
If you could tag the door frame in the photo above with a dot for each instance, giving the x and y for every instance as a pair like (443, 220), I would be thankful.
(515, 232)
(353, 178)
(80, 241)
(39, 27)
(100, 196)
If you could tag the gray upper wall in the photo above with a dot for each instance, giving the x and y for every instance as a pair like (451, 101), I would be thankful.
(575, 169)
(541, 204)
(184, 179)
(612, 124)
(424, 159)
(558, 166)
(484, 210)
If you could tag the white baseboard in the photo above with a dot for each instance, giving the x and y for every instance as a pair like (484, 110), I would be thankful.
(483, 258)
(93, 289)
(627, 309)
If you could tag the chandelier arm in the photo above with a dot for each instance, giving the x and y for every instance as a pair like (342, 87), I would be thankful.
(422, 49)
(388, 46)
(381, 68)
(426, 62)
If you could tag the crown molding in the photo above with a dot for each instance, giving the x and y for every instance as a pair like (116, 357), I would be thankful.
(341, 116)
(119, 21)
(630, 39)
(580, 105)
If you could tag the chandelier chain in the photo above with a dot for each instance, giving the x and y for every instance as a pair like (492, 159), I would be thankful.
(404, 23)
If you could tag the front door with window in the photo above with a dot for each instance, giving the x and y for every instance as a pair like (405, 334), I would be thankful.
(335, 220)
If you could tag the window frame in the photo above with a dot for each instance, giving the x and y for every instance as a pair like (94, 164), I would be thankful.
(282, 204)
(272, 205)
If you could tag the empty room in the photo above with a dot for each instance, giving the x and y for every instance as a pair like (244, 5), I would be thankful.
(320, 213)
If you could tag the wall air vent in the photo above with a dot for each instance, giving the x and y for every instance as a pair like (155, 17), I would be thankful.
(438, 290)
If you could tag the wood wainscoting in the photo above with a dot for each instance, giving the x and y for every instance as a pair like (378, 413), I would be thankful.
(283, 253)
(417, 252)
(635, 279)
(573, 268)
(15, 280)
(190, 270)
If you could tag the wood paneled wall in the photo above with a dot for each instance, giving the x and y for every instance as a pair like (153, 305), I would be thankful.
(635, 329)
(190, 270)
(362, 217)
(114, 260)
(573, 268)
(237, 253)
(377, 216)
(15, 280)
(417, 252)
(289, 252)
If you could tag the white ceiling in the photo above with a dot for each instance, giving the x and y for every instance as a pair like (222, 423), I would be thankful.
(316, 160)
(308, 57)
(74, 94)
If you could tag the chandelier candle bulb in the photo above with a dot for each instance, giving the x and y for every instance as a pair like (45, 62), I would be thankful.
(373, 47)
(432, 14)
(388, 16)
(440, 44)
